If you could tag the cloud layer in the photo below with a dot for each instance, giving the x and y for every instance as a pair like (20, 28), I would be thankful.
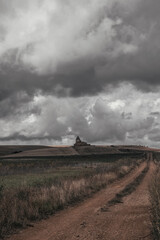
(107, 118)
(80, 46)
(71, 67)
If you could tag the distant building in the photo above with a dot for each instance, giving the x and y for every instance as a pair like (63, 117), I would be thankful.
(80, 143)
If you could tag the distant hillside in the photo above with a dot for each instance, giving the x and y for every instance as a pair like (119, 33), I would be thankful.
(14, 149)
(87, 150)
(44, 151)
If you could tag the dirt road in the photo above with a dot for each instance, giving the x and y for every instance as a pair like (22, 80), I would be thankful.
(125, 221)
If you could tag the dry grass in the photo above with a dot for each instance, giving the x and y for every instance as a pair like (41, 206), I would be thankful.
(19, 206)
(154, 189)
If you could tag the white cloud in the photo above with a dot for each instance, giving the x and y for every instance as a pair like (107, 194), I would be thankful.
(112, 118)
(79, 48)
(49, 35)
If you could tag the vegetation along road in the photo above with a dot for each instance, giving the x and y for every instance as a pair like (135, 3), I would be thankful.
(121, 211)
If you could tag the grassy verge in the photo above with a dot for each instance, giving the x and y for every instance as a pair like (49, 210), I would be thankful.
(20, 204)
(154, 190)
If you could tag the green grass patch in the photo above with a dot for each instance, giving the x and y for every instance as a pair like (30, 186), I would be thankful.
(42, 179)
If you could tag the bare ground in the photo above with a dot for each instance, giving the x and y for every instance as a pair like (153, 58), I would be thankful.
(90, 220)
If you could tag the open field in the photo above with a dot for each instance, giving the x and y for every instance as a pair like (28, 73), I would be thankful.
(15, 152)
(33, 188)
(14, 149)
(94, 219)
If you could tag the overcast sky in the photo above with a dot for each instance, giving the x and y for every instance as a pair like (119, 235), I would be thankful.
(80, 67)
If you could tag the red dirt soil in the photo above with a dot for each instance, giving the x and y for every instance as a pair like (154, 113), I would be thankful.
(87, 220)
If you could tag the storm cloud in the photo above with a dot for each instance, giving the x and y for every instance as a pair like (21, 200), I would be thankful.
(79, 45)
(105, 118)
(77, 68)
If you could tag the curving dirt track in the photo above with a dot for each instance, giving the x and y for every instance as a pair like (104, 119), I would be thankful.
(88, 221)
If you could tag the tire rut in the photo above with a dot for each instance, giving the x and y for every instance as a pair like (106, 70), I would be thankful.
(128, 189)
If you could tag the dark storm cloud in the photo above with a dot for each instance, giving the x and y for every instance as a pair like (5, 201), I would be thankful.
(74, 48)
(155, 113)
(107, 118)
(59, 57)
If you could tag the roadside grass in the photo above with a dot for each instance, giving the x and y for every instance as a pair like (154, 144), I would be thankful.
(45, 164)
(154, 190)
(41, 179)
(30, 197)
(16, 174)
